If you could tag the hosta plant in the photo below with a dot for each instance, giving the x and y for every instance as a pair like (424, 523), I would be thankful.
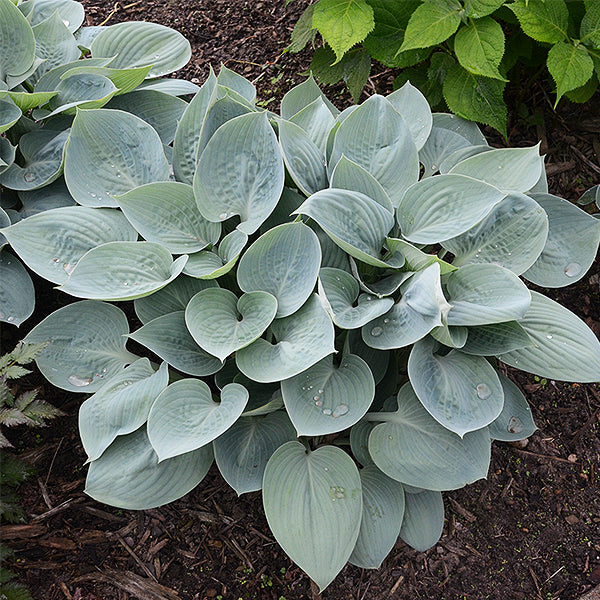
(460, 51)
(325, 299)
(43, 81)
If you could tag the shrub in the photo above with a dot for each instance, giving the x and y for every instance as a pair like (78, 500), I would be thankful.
(319, 296)
(457, 50)
(42, 84)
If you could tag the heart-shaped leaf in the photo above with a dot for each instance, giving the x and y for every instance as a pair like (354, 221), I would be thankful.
(414, 109)
(17, 42)
(212, 265)
(423, 521)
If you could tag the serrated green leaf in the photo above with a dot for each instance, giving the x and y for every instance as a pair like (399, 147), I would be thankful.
(431, 24)
(570, 66)
(543, 21)
(480, 8)
(590, 25)
(343, 23)
(303, 31)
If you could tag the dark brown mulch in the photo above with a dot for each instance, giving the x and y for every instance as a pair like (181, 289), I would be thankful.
(531, 531)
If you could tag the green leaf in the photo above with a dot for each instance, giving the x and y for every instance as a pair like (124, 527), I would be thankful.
(242, 452)
(415, 111)
(52, 242)
(211, 265)
(130, 270)
(423, 521)
(590, 25)
(512, 235)
(173, 297)
(205, 420)
(26, 101)
(221, 323)
(515, 422)
(17, 295)
(301, 340)
(383, 511)
(120, 406)
(239, 84)
(571, 246)
(86, 345)
(302, 96)
(541, 20)
(490, 340)
(343, 23)
(479, 47)
(171, 86)
(166, 213)
(140, 44)
(484, 294)
(129, 475)
(410, 446)
(326, 398)
(303, 31)
(476, 98)
(17, 42)
(168, 337)
(481, 8)
(417, 260)
(570, 66)
(431, 24)
(451, 387)
(240, 172)
(564, 348)
(71, 12)
(99, 163)
(442, 207)
(283, 262)
(10, 113)
(313, 504)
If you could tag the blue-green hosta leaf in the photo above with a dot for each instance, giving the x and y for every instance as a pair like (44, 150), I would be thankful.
(240, 172)
(417, 260)
(301, 340)
(242, 452)
(54, 43)
(43, 154)
(120, 406)
(221, 323)
(4, 222)
(52, 242)
(460, 391)
(87, 345)
(383, 511)
(450, 335)
(326, 398)
(162, 111)
(303, 95)
(386, 286)
(187, 136)
(349, 175)
(10, 113)
(339, 291)
(378, 360)
(70, 12)
(415, 111)
(484, 294)
(7, 155)
(166, 212)
(290, 200)
(377, 138)
(313, 504)
(17, 42)
(185, 417)
(461, 154)
(26, 100)
(305, 162)
(172, 298)
(172, 86)
(129, 475)
(123, 271)
(17, 295)
(109, 153)
(564, 348)
(126, 80)
(331, 254)
(285, 263)
(515, 422)
(231, 80)
(50, 81)
(421, 307)
(211, 265)
(491, 340)
(449, 133)
(168, 337)
(317, 120)
(139, 44)
(410, 446)
(571, 246)
(265, 398)
(512, 236)
(439, 208)
(353, 221)
(423, 521)
(508, 169)
(359, 441)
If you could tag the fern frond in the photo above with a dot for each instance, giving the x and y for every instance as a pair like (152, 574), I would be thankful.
(26, 352)
(15, 371)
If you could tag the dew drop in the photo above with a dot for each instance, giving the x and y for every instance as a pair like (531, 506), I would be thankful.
(318, 403)
(337, 492)
(10, 319)
(223, 216)
(549, 337)
(572, 269)
(386, 321)
(66, 22)
(55, 260)
(376, 331)
(515, 425)
(79, 381)
(326, 411)
(125, 283)
(340, 409)
(320, 391)
(484, 391)
(68, 267)
(316, 398)
(29, 177)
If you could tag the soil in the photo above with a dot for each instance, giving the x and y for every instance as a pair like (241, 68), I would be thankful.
(530, 531)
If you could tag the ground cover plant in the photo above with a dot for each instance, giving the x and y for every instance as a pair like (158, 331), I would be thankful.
(458, 51)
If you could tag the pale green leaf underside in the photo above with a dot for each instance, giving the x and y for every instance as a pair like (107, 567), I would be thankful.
(498, 338)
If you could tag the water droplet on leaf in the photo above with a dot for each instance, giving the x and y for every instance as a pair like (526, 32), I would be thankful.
(29, 177)
(79, 381)
(376, 331)
(340, 409)
(572, 269)
(484, 391)
(515, 425)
